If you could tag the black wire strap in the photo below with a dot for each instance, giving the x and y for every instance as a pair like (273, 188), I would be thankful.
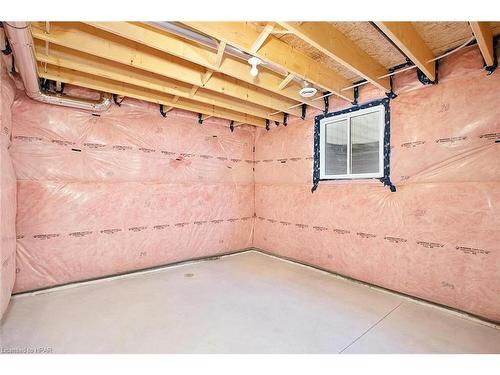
(119, 103)
(491, 68)
(7, 50)
(162, 110)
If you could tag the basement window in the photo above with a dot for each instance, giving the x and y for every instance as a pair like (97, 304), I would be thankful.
(352, 144)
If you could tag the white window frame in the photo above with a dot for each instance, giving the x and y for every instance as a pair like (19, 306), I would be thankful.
(328, 120)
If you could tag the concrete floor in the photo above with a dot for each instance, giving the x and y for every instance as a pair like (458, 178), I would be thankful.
(246, 303)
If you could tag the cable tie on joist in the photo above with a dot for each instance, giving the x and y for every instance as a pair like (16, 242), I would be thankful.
(285, 119)
(200, 118)
(267, 124)
(231, 126)
(304, 109)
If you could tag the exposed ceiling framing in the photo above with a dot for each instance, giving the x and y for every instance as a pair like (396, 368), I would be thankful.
(404, 35)
(150, 63)
(484, 37)
(243, 36)
(327, 39)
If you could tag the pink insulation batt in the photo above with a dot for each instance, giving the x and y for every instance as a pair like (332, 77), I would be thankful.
(129, 189)
(126, 190)
(7, 191)
(438, 236)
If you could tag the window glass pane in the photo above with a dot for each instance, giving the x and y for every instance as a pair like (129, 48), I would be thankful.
(336, 148)
(365, 133)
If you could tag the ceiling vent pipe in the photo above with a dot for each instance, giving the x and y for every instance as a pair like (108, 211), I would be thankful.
(21, 42)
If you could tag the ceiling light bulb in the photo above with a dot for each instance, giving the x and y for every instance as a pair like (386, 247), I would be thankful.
(254, 61)
(254, 71)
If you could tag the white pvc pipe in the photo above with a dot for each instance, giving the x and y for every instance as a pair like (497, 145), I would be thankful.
(21, 42)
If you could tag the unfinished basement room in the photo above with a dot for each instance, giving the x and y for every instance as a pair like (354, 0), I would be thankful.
(250, 187)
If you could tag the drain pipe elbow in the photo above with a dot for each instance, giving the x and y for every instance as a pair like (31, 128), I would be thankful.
(22, 45)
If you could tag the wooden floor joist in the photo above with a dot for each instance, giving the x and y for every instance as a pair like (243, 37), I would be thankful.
(243, 35)
(220, 54)
(230, 65)
(484, 38)
(107, 85)
(203, 66)
(71, 59)
(89, 40)
(327, 39)
(404, 35)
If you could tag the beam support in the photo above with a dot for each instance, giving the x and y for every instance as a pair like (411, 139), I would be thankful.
(220, 54)
(174, 100)
(264, 34)
(484, 38)
(327, 39)
(193, 90)
(289, 78)
(404, 35)
(206, 77)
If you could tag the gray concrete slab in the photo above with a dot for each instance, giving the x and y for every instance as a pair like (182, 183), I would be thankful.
(245, 303)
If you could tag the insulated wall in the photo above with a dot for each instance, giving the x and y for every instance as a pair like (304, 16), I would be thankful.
(7, 192)
(437, 236)
(126, 190)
